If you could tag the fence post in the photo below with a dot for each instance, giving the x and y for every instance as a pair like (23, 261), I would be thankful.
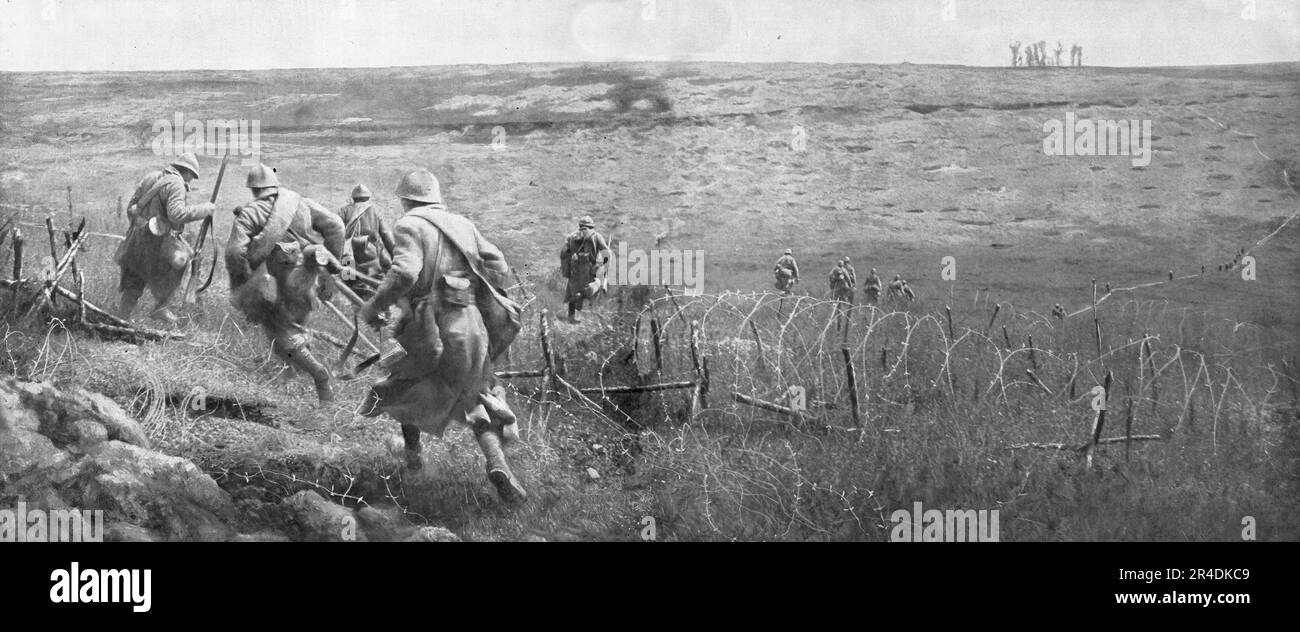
(18, 255)
(853, 386)
(547, 357)
(654, 335)
(697, 393)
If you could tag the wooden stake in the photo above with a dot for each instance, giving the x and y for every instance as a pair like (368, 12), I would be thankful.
(18, 254)
(996, 308)
(853, 385)
(948, 311)
(697, 396)
(654, 336)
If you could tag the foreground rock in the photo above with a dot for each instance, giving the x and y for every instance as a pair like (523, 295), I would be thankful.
(69, 448)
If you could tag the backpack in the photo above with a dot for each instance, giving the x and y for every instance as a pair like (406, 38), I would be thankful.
(501, 314)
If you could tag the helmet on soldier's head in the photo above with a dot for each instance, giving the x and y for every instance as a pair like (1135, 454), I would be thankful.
(788, 251)
(586, 222)
(419, 186)
(261, 177)
(187, 161)
(360, 192)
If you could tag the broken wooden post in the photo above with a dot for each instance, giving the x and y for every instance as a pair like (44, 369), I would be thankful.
(1100, 421)
(1128, 428)
(1096, 322)
(697, 394)
(1006, 338)
(853, 386)
(884, 358)
(654, 336)
(622, 390)
(636, 342)
(1034, 376)
(18, 254)
(50, 284)
(546, 354)
(795, 416)
(81, 297)
(54, 251)
(948, 310)
(996, 308)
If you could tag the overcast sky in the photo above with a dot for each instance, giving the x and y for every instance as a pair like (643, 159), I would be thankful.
(244, 34)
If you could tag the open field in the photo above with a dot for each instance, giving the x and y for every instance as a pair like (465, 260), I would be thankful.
(895, 166)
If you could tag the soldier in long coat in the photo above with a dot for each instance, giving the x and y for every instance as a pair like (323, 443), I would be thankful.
(786, 272)
(369, 236)
(156, 249)
(446, 374)
(275, 275)
(585, 252)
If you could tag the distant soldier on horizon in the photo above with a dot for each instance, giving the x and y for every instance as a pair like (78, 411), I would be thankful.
(155, 252)
(1015, 53)
(786, 272)
(1060, 48)
(584, 255)
(369, 239)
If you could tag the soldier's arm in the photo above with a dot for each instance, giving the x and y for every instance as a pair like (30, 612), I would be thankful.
(494, 262)
(408, 261)
(328, 224)
(177, 209)
(237, 265)
(385, 235)
(602, 248)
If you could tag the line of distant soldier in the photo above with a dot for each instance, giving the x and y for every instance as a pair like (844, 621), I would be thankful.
(1038, 54)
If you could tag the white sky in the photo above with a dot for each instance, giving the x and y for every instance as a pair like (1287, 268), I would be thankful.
(244, 34)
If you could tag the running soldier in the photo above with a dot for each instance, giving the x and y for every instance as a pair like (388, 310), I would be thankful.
(445, 283)
(277, 268)
(369, 238)
(156, 249)
(842, 291)
(786, 272)
(582, 260)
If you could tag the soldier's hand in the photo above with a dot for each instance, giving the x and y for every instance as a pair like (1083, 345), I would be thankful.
(369, 315)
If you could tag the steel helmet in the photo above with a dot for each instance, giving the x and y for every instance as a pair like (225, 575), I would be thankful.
(360, 192)
(420, 186)
(261, 177)
(187, 161)
(586, 222)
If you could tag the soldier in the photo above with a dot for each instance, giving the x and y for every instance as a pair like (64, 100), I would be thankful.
(786, 272)
(156, 248)
(1059, 49)
(443, 274)
(871, 289)
(1015, 53)
(369, 239)
(275, 266)
(853, 274)
(584, 255)
(899, 289)
(842, 291)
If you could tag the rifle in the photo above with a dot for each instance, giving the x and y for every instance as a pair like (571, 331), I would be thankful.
(191, 286)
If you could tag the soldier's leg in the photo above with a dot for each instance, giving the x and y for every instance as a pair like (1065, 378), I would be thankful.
(163, 287)
(293, 347)
(411, 436)
(489, 434)
(132, 287)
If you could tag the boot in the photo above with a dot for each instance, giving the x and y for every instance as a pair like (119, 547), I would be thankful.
(508, 488)
(126, 304)
(164, 315)
(318, 372)
(411, 434)
(573, 313)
